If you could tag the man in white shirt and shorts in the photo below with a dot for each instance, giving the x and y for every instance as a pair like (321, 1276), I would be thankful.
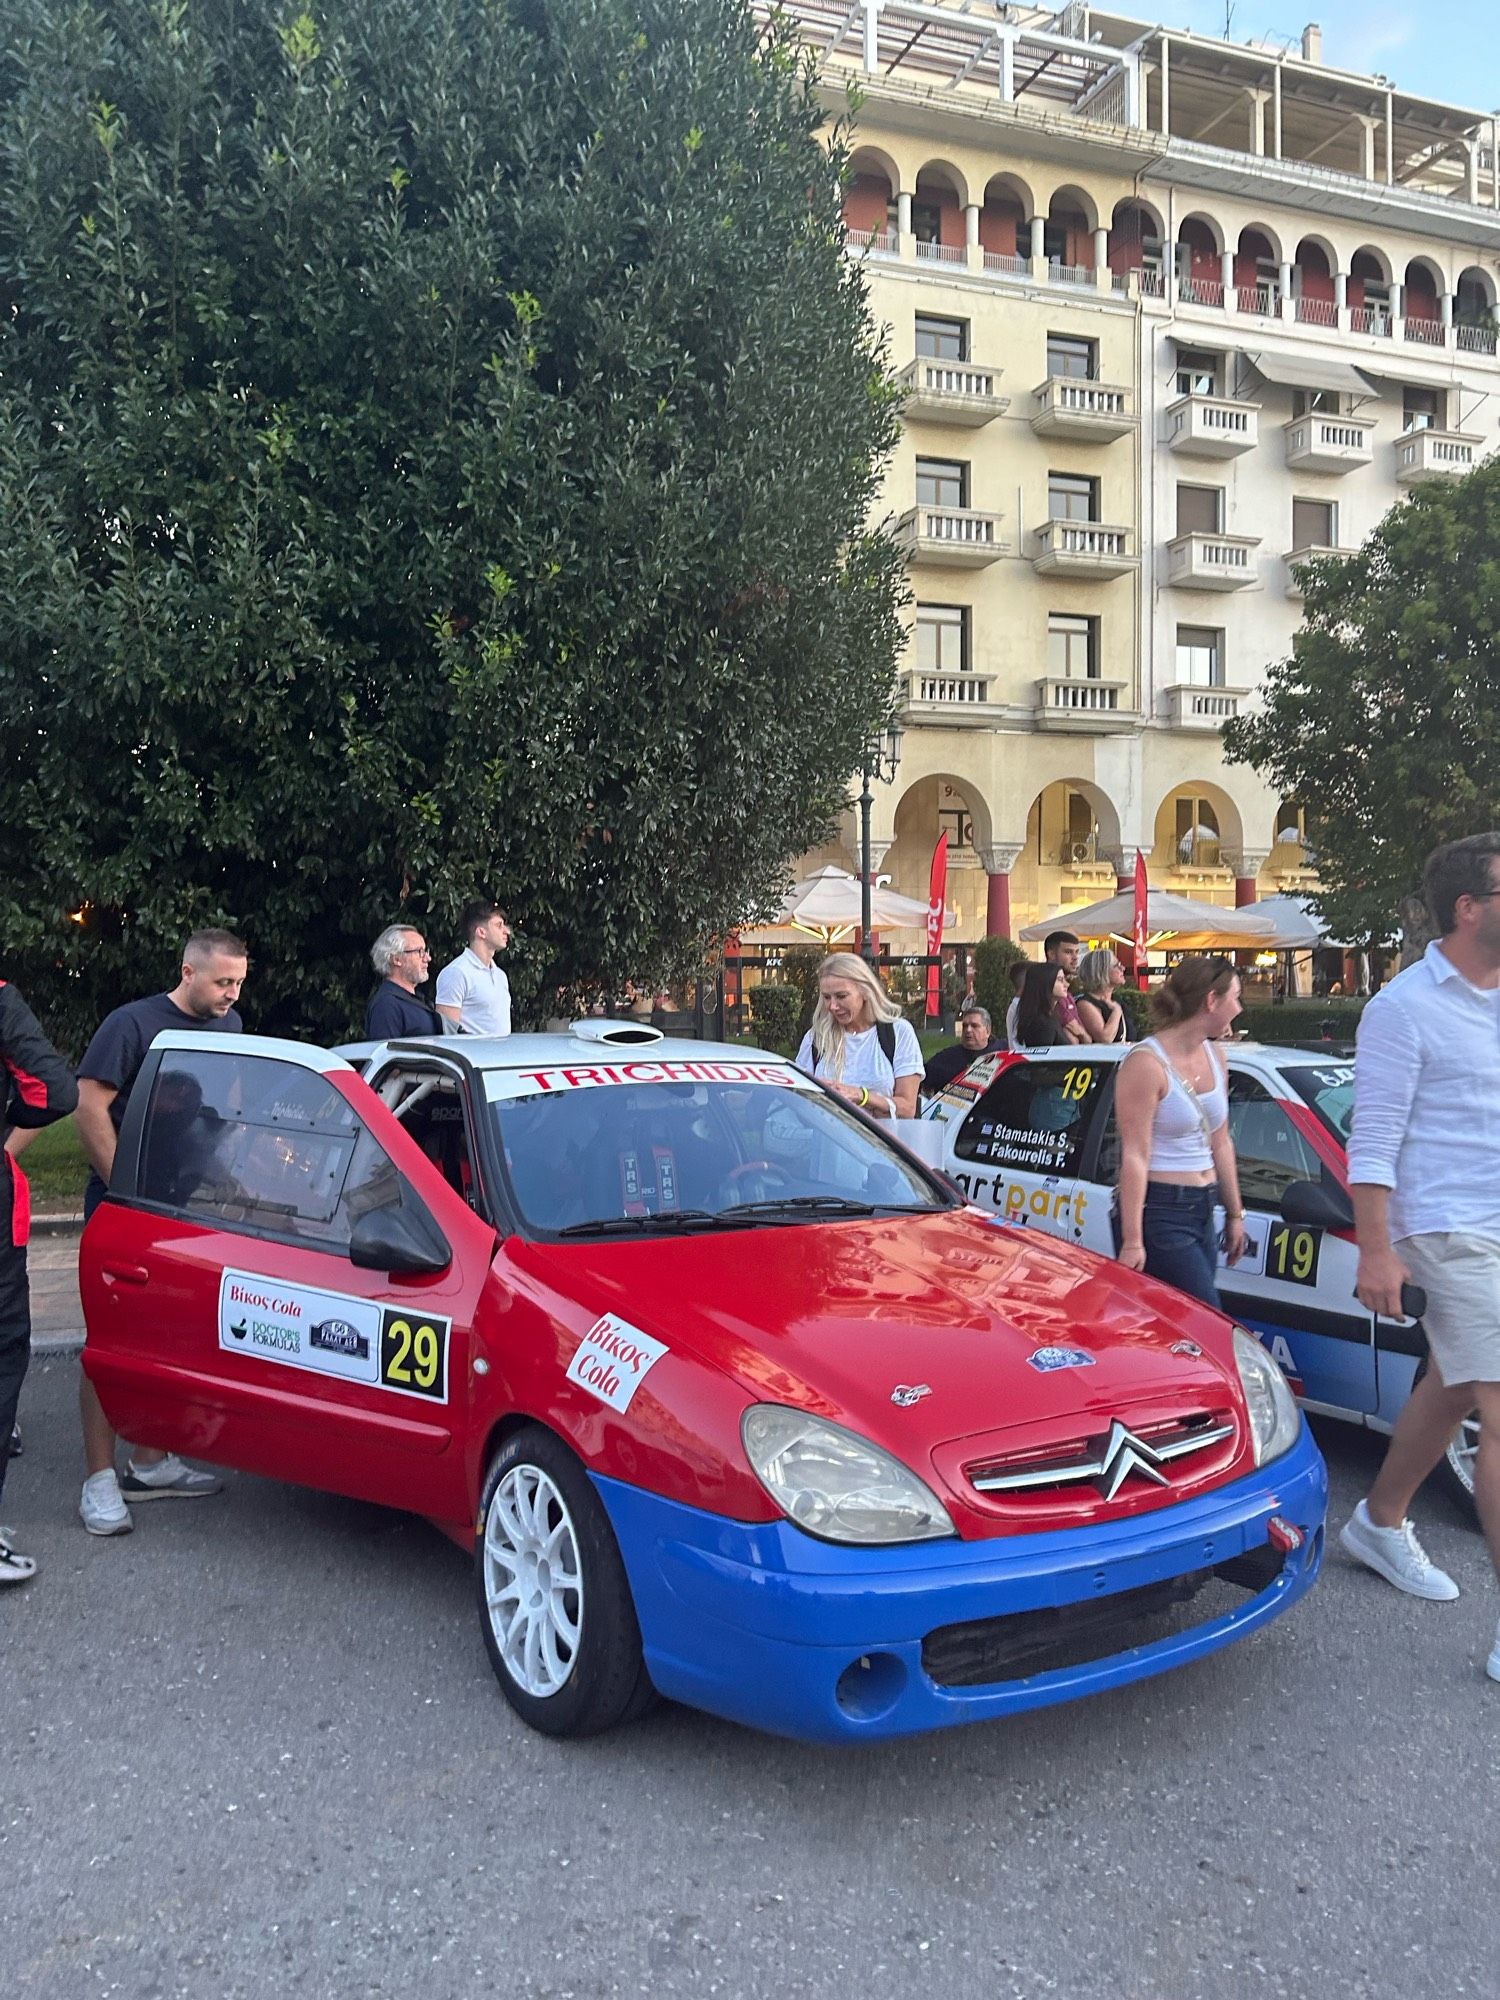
(1424, 1173)
(472, 992)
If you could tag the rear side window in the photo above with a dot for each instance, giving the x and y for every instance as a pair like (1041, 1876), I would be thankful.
(1034, 1116)
(1269, 1150)
(261, 1145)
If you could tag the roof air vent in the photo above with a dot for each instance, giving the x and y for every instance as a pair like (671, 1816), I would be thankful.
(616, 1034)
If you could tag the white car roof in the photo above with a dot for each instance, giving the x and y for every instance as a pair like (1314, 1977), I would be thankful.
(587, 1041)
(1279, 1054)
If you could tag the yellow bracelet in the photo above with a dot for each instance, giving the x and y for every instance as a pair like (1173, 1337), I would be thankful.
(864, 1097)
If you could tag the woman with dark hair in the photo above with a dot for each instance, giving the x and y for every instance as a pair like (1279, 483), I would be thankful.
(1176, 1155)
(1039, 1023)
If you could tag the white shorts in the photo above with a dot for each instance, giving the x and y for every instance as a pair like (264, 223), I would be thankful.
(1460, 1274)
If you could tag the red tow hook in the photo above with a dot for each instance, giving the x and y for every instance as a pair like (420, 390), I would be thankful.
(1284, 1534)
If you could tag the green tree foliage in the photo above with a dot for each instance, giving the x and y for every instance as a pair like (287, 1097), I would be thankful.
(1385, 722)
(436, 441)
(993, 987)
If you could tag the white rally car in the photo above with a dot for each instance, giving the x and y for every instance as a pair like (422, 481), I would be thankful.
(1031, 1137)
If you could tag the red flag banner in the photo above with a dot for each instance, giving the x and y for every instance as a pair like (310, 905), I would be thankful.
(1141, 932)
(937, 895)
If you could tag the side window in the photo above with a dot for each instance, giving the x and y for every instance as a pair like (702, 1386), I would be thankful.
(1271, 1152)
(263, 1145)
(430, 1105)
(1034, 1116)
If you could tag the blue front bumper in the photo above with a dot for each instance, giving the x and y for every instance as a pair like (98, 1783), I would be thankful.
(760, 1623)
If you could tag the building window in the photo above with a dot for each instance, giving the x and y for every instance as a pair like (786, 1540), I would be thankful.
(942, 482)
(942, 638)
(1067, 355)
(1072, 497)
(958, 824)
(1197, 374)
(1422, 409)
(942, 339)
(1200, 510)
(1200, 656)
(1197, 833)
(1314, 524)
(1072, 647)
(926, 221)
(1316, 402)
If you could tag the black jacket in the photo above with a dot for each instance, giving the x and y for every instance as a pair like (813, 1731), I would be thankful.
(39, 1089)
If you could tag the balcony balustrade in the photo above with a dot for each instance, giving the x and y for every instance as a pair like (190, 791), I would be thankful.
(1198, 561)
(1087, 550)
(952, 392)
(1091, 412)
(1212, 426)
(1435, 454)
(1319, 443)
(949, 700)
(957, 536)
(1089, 705)
(1205, 708)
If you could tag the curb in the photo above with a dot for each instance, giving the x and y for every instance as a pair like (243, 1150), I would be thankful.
(65, 1340)
(56, 1225)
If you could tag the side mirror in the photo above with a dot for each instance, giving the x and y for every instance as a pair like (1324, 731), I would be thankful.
(1317, 1205)
(403, 1240)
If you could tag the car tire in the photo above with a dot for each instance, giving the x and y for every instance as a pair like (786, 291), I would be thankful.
(555, 1606)
(1457, 1462)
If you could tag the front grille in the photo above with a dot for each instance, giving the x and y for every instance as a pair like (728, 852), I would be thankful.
(1155, 1455)
(1025, 1643)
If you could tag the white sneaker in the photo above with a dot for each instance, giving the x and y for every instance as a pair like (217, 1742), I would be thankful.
(1397, 1555)
(16, 1568)
(101, 1508)
(1492, 1664)
(168, 1479)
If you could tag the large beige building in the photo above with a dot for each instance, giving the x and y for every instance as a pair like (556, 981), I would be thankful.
(1172, 313)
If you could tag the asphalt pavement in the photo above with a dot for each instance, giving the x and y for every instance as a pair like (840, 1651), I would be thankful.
(255, 1749)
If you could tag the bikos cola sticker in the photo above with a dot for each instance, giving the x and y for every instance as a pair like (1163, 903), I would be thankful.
(396, 1348)
(613, 1359)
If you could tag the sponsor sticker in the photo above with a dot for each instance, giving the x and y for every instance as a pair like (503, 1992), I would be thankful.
(613, 1359)
(396, 1348)
(1047, 1359)
(503, 1083)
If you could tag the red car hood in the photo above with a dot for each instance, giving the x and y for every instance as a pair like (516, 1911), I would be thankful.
(837, 1318)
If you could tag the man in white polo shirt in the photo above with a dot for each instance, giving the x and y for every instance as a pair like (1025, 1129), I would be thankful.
(472, 992)
(1424, 1173)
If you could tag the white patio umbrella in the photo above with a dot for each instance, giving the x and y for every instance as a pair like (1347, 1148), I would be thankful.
(1294, 927)
(1178, 920)
(827, 906)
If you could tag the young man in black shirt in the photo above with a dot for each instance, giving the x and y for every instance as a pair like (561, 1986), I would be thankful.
(213, 971)
(36, 1087)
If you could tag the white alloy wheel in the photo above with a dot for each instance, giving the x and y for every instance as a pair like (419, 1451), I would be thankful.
(1463, 1449)
(533, 1581)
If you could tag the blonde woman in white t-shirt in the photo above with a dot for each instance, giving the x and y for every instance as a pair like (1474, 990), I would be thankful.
(843, 1046)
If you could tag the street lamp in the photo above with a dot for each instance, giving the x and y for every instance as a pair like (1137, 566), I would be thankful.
(882, 756)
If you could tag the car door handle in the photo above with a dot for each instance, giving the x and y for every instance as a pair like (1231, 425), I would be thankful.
(127, 1274)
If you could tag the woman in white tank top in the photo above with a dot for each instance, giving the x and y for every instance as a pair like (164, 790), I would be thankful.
(1176, 1155)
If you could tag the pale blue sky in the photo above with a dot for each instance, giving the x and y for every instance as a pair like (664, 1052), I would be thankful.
(1438, 48)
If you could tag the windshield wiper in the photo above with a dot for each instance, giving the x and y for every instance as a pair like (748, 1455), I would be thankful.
(810, 1205)
(636, 1225)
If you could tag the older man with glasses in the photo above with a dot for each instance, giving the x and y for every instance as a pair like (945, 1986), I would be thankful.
(401, 957)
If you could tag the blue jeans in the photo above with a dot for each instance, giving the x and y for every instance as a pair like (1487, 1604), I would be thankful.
(1182, 1244)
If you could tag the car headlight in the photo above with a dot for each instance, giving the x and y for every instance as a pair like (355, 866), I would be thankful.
(1274, 1418)
(836, 1484)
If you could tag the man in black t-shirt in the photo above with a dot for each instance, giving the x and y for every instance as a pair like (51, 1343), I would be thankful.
(213, 971)
(975, 1038)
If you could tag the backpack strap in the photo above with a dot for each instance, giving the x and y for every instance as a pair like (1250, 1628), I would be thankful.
(885, 1035)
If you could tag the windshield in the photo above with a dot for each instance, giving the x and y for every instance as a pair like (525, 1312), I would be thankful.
(654, 1158)
(1329, 1089)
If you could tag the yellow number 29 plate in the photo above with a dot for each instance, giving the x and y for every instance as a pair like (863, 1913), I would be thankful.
(414, 1353)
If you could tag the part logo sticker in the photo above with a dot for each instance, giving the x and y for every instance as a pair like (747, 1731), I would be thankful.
(329, 1333)
(613, 1359)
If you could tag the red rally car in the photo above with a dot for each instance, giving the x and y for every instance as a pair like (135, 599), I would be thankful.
(729, 1396)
